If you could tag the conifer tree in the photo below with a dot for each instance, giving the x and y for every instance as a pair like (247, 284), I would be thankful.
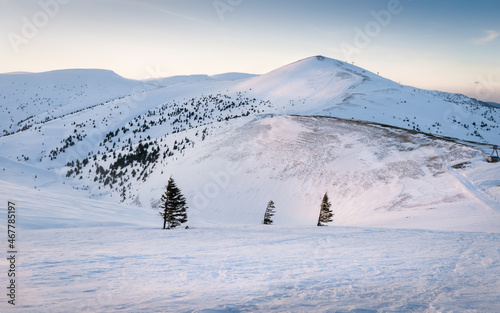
(269, 213)
(325, 214)
(174, 206)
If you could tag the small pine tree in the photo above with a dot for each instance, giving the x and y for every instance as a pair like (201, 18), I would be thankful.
(325, 214)
(269, 213)
(174, 206)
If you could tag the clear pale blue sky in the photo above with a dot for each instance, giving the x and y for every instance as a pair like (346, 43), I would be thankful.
(450, 45)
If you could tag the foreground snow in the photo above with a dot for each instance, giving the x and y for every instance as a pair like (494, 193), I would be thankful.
(84, 255)
(257, 269)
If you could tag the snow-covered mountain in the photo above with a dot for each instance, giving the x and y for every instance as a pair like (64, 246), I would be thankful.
(321, 86)
(314, 126)
(85, 156)
(29, 99)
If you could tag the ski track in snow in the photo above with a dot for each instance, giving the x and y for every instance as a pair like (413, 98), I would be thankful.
(257, 269)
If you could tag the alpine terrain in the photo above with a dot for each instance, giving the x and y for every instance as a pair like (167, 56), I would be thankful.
(85, 156)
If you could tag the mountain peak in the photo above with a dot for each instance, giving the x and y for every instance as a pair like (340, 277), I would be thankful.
(315, 78)
(317, 59)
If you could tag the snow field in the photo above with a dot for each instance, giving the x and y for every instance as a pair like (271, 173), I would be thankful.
(257, 269)
(48, 210)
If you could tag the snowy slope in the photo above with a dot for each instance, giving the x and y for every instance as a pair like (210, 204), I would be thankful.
(123, 148)
(32, 98)
(375, 176)
(232, 76)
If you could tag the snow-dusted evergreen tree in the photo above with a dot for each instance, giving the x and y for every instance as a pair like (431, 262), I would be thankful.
(174, 206)
(325, 214)
(269, 213)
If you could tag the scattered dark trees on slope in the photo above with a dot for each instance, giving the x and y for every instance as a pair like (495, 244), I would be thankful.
(174, 206)
(325, 213)
(269, 213)
(121, 159)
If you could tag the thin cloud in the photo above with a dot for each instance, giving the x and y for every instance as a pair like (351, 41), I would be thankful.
(169, 12)
(490, 36)
(172, 13)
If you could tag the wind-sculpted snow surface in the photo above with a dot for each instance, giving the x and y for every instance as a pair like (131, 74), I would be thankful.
(257, 269)
(375, 176)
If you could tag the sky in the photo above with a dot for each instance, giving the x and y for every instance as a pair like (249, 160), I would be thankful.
(447, 45)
